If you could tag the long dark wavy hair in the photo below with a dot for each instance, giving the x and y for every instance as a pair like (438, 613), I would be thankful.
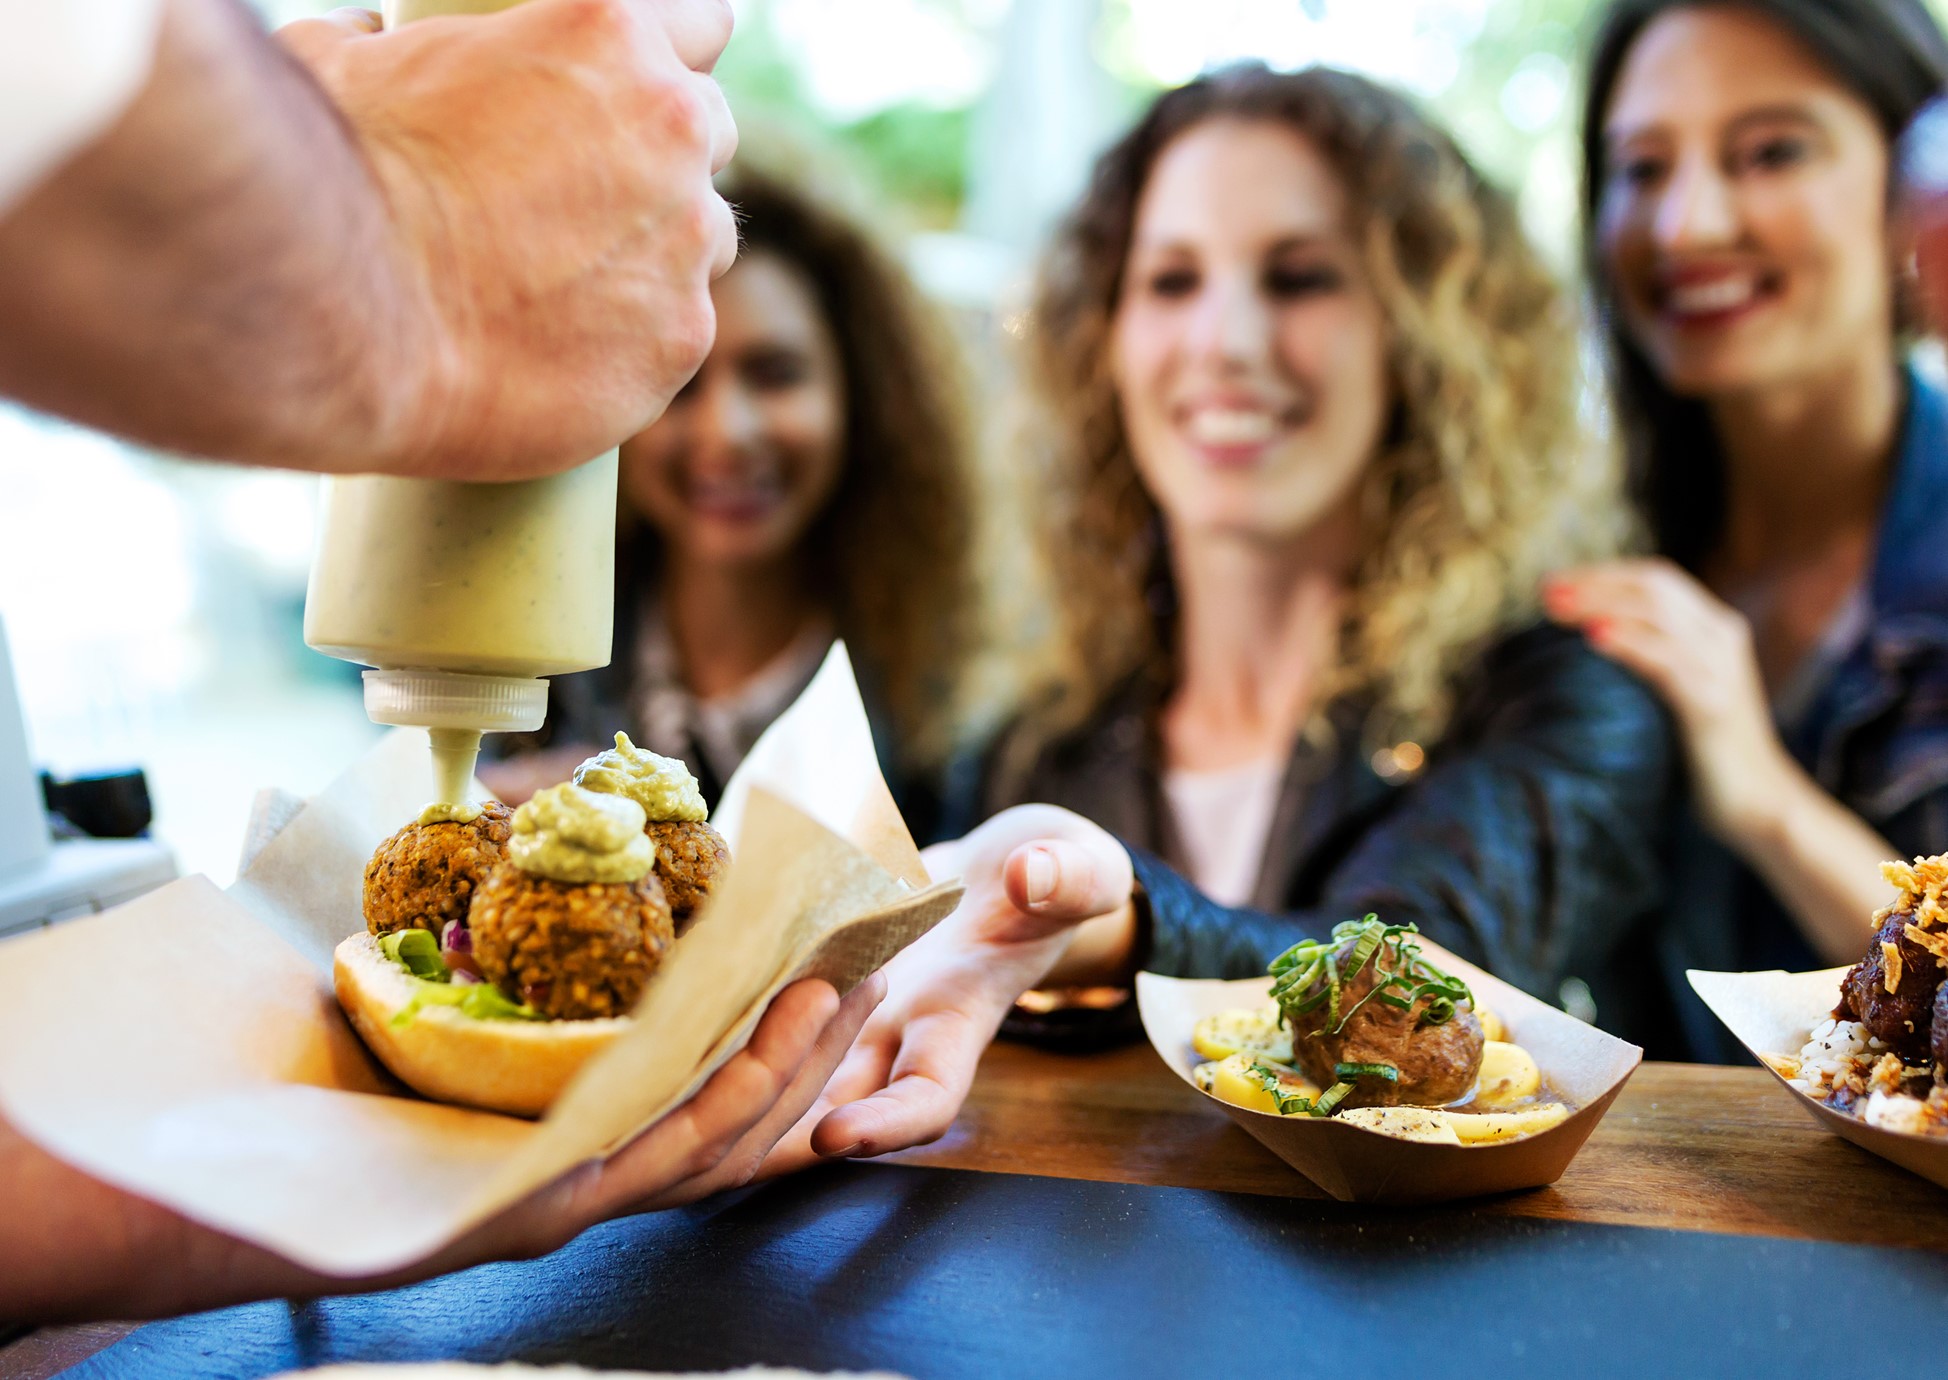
(1888, 53)
(893, 552)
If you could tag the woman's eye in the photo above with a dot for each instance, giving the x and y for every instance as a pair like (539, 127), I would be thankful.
(1301, 282)
(1641, 171)
(1776, 154)
(1173, 282)
(779, 369)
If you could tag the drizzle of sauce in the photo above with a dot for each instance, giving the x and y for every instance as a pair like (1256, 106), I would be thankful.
(455, 750)
(567, 834)
(663, 786)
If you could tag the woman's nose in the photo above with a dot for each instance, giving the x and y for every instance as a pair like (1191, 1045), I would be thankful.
(1697, 208)
(1232, 325)
(727, 417)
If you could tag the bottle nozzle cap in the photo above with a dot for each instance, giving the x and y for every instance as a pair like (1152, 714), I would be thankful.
(450, 699)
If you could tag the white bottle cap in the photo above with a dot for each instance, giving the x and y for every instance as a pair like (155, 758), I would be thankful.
(450, 699)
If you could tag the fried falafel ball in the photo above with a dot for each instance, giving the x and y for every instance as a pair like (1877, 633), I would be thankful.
(428, 874)
(690, 858)
(571, 950)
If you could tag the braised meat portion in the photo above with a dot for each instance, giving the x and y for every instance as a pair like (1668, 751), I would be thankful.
(1368, 1010)
(1892, 990)
(1938, 1044)
(427, 874)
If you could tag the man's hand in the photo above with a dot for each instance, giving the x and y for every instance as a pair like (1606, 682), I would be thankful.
(548, 174)
(478, 248)
(1042, 885)
(78, 1248)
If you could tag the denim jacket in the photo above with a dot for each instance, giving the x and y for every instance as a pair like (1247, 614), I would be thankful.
(1875, 737)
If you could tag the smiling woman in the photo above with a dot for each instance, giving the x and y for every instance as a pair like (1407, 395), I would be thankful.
(1308, 439)
(811, 481)
(1747, 240)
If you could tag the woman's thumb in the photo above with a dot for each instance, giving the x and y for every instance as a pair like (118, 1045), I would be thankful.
(1065, 881)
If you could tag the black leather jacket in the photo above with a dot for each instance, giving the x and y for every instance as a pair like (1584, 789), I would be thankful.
(1531, 842)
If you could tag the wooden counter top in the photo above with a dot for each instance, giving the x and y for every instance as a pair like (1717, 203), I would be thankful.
(1686, 1146)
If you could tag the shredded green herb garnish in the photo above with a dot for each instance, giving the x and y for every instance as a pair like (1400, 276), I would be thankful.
(1352, 1073)
(1308, 976)
(1330, 1099)
(1298, 1104)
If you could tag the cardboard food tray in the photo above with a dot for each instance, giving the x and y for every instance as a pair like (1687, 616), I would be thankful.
(1774, 1013)
(187, 1046)
(1585, 1065)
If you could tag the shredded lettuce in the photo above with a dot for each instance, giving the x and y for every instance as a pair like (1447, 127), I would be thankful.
(418, 952)
(481, 1000)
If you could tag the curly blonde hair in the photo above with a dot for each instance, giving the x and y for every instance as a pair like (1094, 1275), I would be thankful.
(1488, 477)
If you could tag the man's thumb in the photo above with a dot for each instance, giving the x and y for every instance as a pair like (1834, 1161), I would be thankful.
(311, 41)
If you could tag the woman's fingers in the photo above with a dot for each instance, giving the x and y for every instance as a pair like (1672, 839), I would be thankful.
(928, 1081)
(693, 1139)
(754, 1152)
(866, 1070)
(1645, 649)
(1654, 591)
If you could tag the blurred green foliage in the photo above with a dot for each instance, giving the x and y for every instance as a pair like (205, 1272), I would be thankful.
(1513, 101)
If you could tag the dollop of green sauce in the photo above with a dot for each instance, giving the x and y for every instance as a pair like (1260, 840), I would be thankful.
(567, 834)
(663, 786)
(441, 812)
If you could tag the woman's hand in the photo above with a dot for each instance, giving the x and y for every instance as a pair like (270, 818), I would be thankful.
(89, 1250)
(1819, 858)
(1696, 653)
(1048, 892)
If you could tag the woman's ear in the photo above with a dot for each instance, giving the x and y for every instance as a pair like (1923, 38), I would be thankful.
(1908, 284)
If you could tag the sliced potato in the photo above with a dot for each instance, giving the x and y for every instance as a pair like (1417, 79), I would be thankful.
(1430, 1124)
(1242, 1032)
(1489, 1128)
(1204, 1076)
(1248, 1080)
(1491, 1024)
(1508, 1074)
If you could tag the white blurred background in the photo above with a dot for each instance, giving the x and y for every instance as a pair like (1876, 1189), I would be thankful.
(154, 605)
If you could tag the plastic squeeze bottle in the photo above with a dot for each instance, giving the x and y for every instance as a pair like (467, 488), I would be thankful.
(463, 598)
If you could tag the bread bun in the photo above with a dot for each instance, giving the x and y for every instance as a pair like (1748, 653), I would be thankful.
(498, 1065)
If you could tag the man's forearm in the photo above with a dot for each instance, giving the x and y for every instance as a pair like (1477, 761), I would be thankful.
(215, 274)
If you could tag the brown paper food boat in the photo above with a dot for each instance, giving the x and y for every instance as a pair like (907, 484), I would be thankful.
(1355, 1165)
(1774, 1013)
(187, 1046)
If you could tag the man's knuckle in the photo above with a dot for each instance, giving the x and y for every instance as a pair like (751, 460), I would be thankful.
(600, 21)
(677, 115)
(691, 330)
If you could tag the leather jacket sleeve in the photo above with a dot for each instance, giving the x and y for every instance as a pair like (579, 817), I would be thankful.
(1531, 845)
